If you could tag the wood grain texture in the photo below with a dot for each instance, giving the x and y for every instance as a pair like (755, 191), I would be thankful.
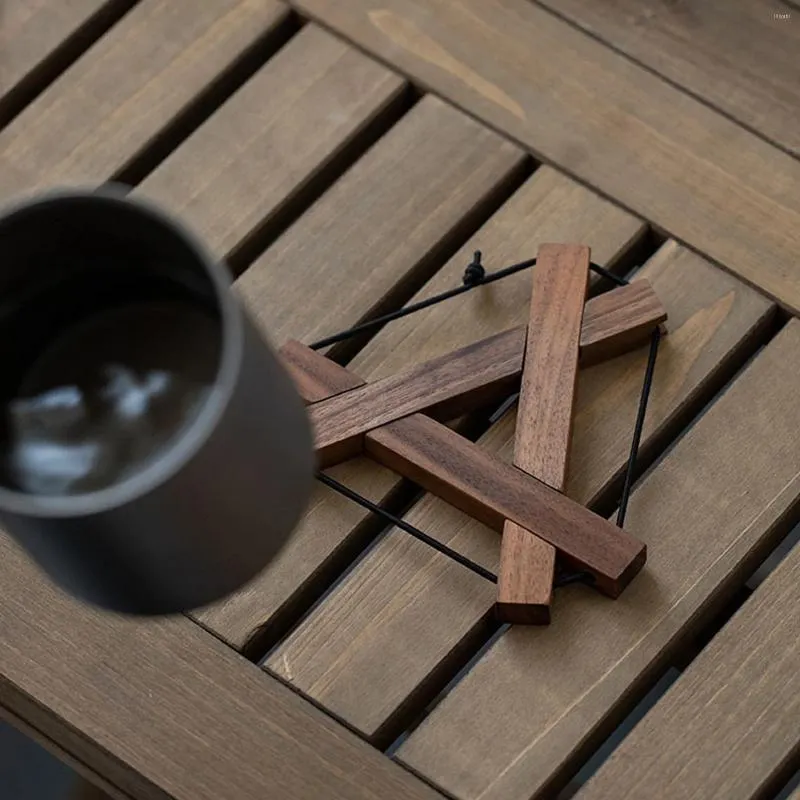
(544, 423)
(112, 103)
(379, 229)
(659, 152)
(738, 55)
(240, 169)
(315, 376)
(327, 272)
(524, 577)
(479, 373)
(618, 321)
(352, 652)
(33, 31)
(728, 728)
(491, 491)
(161, 709)
(719, 501)
(550, 371)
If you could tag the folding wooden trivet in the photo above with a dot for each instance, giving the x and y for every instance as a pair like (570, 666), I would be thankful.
(397, 421)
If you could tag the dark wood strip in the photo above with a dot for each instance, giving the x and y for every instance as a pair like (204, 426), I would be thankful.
(544, 422)
(491, 491)
(480, 373)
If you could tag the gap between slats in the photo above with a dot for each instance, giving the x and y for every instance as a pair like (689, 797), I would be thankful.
(448, 673)
(61, 58)
(716, 108)
(209, 100)
(265, 639)
(708, 621)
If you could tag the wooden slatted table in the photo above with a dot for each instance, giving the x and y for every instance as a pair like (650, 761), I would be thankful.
(347, 157)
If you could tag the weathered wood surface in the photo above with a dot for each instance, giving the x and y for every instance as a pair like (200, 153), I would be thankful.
(315, 377)
(728, 728)
(543, 437)
(716, 505)
(162, 709)
(609, 122)
(738, 55)
(327, 272)
(258, 152)
(115, 101)
(351, 653)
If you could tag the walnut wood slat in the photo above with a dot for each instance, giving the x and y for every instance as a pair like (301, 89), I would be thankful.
(351, 653)
(550, 372)
(544, 423)
(738, 55)
(489, 490)
(608, 321)
(161, 709)
(384, 222)
(36, 34)
(716, 505)
(236, 174)
(728, 728)
(547, 207)
(613, 329)
(475, 375)
(328, 271)
(452, 467)
(315, 377)
(659, 152)
(112, 104)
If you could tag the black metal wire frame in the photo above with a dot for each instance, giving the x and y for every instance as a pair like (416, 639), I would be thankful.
(474, 276)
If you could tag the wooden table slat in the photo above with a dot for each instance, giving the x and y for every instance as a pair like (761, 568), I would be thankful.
(719, 501)
(729, 727)
(381, 226)
(161, 709)
(374, 230)
(260, 149)
(694, 173)
(34, 33)
(113, 102)
(738, 55)
(352, 653)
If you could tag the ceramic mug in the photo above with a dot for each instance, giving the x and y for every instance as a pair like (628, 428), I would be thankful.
(154, 454)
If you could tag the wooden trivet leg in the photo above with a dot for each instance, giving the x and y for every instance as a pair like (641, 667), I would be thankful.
(544, 422)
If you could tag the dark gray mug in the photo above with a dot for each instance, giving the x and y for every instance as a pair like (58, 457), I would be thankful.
(154, 454)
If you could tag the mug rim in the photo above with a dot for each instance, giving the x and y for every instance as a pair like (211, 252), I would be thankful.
(182, 448)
